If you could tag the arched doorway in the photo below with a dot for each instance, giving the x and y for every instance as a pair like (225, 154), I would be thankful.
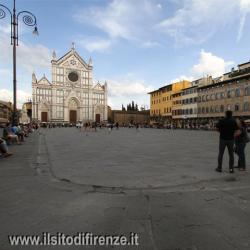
(73, 111)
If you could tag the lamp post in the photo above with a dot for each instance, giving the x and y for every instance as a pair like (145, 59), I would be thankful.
(28, 19)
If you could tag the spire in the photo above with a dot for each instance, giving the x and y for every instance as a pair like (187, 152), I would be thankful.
(90, 62)
(53, 55)
(34, 80)
(73, 46)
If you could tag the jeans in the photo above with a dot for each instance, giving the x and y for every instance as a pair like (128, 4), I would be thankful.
(230, 147)
(240, 151)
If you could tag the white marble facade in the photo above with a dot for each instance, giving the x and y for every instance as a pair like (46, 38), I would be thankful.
(71, 96)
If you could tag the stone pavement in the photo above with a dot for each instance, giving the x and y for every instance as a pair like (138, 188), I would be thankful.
(160, 184)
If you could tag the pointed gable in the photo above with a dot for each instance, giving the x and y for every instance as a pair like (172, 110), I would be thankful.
(72, 58)
(44, 81)
(98, 86)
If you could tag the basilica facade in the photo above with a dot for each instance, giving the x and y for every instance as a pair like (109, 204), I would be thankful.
(71, 96)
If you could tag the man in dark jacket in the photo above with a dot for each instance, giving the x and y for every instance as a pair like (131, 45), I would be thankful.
(227, 128)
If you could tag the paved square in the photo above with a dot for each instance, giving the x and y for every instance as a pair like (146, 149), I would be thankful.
(134, 159)
(160, 184)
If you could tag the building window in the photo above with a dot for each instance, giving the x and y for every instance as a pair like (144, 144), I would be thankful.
(211, 109)
(237, 92)
(236, 107)
(217, 96)
(247, 91)
(228, 107)
(207, 110)
(217, 109)
(222, 95)
(207, 98)
(221, 108)
(246, 106)
(229, 94)
(203, 110)
(203, 98)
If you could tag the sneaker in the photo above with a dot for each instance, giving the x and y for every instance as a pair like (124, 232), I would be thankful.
(218, 170)
(231, 170)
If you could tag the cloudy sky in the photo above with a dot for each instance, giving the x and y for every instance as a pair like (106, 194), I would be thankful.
(136, 45)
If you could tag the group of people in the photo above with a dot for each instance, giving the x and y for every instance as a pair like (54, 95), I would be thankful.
(14, 134)
(233, 135)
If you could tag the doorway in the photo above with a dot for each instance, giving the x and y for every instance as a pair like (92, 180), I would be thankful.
(44, 116)
(98, 118)
(72, 116)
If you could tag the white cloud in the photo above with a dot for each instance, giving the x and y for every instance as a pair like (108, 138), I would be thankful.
(150, 44)
(210, 64)
(29, 57)
(181, 78)
(245, 9)
(127, 19)
(4, 73)
(193, 21)
(22, 96)
(123, 90)
(127, 87)
(95, 44)
(197, 20)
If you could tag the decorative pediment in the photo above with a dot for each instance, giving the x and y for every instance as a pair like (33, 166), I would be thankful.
(72, 59)
(98, 86)
(44, 81)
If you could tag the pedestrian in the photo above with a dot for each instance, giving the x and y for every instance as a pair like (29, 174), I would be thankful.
(240, 143)
(117, 125)
(226, 128)
(4, 148)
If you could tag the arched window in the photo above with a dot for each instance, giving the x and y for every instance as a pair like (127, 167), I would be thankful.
(222, 95)
(229, 94)
(217, 96)
(203, 98)
(207, 97)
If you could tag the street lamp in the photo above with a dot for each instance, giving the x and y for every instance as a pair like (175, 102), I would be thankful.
(28, 19)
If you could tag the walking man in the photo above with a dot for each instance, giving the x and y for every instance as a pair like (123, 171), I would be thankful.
(226, 128)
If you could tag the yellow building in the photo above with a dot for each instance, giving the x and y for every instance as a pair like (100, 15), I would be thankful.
(161, 100)
(5, 111)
